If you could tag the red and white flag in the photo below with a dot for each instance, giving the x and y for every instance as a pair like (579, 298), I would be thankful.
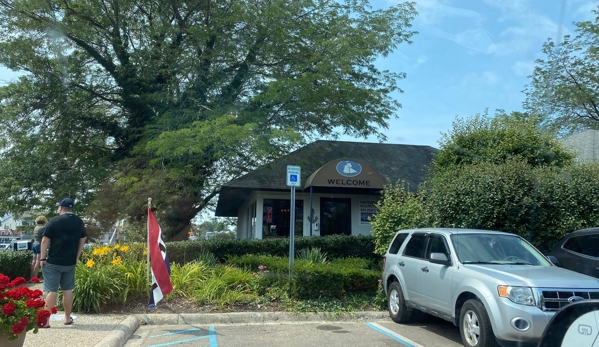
(161, 269)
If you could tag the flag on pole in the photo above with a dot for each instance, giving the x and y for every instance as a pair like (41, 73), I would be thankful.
(161, 269)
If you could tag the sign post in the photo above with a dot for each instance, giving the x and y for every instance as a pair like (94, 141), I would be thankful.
(294, 174)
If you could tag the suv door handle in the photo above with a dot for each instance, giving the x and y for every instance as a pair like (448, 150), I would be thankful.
(424, 269)
(401, 263)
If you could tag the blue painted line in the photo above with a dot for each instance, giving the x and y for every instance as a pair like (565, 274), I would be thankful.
(390, 334)
(179, 341)
(212, 336)
(176, 332)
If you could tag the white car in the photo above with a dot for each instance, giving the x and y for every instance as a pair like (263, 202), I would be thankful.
(4, 247)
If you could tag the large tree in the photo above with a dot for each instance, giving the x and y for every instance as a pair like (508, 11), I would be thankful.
(125, 100)
(564, 86)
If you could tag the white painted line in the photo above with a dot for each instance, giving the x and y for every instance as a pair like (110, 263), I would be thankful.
(401, 339)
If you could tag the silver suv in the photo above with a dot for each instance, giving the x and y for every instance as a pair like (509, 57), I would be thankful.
(495, 286)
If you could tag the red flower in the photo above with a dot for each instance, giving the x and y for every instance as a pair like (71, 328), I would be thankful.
(18, 328)
(8, 308)
(54, 310)
(42, 317)
(35, 280)
(18, 281)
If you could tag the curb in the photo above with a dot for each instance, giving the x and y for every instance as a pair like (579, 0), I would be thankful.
(123, 331)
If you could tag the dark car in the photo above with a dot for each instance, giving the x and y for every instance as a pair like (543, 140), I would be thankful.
(579, 251)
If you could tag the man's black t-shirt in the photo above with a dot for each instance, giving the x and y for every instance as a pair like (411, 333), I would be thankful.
(65, 232)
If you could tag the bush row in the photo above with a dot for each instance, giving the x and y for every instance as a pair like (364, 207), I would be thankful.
(335, 246)
(312, 280)
(16, 263)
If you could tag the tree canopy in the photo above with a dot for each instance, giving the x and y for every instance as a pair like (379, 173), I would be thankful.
(126, 100)
(485, 139)
(564, 87)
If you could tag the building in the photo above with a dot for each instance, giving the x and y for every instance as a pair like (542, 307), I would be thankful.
(584, 144)
(340, 184)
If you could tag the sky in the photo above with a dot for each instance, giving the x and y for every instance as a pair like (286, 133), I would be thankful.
(469, 55)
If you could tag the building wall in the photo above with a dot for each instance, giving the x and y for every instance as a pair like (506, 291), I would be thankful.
(585, 145)
(249, 226)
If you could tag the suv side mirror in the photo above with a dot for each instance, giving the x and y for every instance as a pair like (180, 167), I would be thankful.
(439, 258)
(554, 260)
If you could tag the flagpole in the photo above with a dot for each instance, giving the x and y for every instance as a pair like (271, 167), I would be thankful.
(149, 280)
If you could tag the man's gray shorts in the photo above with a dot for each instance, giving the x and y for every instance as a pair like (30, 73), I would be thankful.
(55, 275)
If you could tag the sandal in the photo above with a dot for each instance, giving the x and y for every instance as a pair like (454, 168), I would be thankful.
(69, 322)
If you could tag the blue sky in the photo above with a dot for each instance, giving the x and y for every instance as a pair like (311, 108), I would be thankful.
(469, 55)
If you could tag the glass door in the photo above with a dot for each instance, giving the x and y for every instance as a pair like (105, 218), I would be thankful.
(335, 214)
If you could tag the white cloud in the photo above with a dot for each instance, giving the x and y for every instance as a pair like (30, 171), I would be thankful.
(523, 68)
(528, 30)
(585, 11)
(421, 60)
(485, 79)
(433, 12)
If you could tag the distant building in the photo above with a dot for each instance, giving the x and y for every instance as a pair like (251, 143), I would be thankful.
(340, 184)
(585, 145)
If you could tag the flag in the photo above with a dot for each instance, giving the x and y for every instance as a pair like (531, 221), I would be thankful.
(161, 269)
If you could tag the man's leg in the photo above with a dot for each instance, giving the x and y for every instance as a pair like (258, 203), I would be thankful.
(51, 300)
(67, 303)
(67, 284)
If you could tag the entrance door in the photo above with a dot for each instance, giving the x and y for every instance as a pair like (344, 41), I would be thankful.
(335, 214)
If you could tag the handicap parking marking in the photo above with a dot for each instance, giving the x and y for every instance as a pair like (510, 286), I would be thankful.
(211, 337)
(397, 337)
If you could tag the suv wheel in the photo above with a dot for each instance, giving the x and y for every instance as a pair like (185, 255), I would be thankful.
(475, 327)
(396, 304)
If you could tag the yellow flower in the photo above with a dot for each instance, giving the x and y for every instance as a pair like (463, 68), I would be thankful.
(97, 251)
(145, 252)
(117, 246)
(124, 248)
(116, 261)
(90, 263)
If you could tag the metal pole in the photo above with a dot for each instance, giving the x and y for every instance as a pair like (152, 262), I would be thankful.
(291, 235)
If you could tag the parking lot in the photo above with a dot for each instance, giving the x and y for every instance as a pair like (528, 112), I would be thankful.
(426, 332)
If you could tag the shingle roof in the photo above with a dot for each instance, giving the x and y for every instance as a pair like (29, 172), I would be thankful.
(393, 161)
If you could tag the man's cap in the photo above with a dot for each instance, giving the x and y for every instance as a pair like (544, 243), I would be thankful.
(66, 202)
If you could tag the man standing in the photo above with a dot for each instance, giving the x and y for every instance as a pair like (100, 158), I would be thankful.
(65, 235)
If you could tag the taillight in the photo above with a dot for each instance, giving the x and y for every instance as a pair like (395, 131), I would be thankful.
(384, 263)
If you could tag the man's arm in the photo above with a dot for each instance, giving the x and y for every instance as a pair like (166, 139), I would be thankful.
(81, 244)
(44, 250)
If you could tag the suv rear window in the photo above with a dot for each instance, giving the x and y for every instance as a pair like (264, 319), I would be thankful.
(587, 245)
(415, 246)
(397, 242)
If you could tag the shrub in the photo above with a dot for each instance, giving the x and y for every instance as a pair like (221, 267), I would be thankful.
(313, 255)
(335, 246)
(16, 263)
(97, 285)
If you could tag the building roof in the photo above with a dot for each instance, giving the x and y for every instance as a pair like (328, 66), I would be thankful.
(393, 161)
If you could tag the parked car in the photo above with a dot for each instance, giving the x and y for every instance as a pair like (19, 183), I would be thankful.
(579, 251)
(4, 247)
(495, 286)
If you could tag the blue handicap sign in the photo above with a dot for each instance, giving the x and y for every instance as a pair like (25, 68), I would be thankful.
(293, 178)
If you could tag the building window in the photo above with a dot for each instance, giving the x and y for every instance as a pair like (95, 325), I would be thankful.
(276, 221)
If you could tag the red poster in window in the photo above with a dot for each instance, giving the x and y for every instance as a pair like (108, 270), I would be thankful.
(269, 215)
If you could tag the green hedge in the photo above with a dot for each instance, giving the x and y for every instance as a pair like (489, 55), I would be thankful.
(335, 246)
(16, 263)
(313, 280)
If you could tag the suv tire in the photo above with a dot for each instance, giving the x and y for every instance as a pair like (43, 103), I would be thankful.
(396, 304)
(475, 326)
